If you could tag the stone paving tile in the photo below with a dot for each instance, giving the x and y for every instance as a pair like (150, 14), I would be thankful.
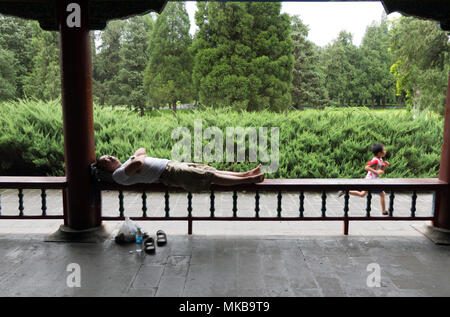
(305, 292)
(331, 286)
(170, 286)
(198, 281)
(249, 271)
(247, 292)
(176, 271)
(223, 274)
(148, 276)
(178, 260)
(132, 292)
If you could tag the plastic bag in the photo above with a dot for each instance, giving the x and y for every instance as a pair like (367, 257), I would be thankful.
(127, 232)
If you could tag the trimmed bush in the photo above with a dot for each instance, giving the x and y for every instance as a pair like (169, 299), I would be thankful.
(329, 143)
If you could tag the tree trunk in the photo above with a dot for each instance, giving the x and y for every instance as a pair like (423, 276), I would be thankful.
(174, 108)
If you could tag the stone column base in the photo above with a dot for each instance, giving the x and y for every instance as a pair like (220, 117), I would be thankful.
(92, 235)
(437, 235)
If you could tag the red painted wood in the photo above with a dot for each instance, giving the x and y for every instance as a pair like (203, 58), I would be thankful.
(268, 184)
(364, 218)
(306, 184)
(33, 182)
(346, 225)
(82, 204)
(31, 217)
(442, 202)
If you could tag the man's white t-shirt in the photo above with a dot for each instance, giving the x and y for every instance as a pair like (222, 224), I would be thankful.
(149, 173)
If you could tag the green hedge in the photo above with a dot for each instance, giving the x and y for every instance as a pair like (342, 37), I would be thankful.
(330, 143)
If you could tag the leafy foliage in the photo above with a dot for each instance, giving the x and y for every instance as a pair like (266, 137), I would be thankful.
(133, 58)
(15, 37)
(7, 75)
(360, 75)
(421, 65)
(243, 56)
(31, 140)
(167, 77)
(329, 143)
(106, 64)
(308, 87)
(377, 82)
(44, 82)
(340, 61)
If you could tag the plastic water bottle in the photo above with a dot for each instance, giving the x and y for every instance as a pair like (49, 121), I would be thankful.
(138, 241)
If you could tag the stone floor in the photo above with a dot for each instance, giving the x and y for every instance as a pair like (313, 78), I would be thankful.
(227, 258)
(204, 265)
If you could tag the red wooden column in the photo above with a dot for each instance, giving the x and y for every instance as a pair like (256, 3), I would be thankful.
(82, 206)
(442, 203)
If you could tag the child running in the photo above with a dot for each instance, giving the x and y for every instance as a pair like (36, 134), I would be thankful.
(374, 168)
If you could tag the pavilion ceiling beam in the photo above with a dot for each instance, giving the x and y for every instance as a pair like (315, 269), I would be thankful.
(99, 11)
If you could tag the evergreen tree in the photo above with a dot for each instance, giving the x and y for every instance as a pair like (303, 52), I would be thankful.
(376, 61)
(341, 61)
(44, 82)
(15, 36)
(243, 55)
(307, 84)
(222, 48)
(133, 59)
(422, 62)
(168, 74)
(7, 75)
(107, 63)
(95, 69)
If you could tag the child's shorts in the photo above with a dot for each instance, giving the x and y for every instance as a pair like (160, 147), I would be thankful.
(192, 177)
(376, 191)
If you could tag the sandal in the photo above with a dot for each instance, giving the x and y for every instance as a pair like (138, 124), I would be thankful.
(149, 246)
(161, 238)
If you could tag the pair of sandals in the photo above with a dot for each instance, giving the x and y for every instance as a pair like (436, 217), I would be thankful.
(149, 243)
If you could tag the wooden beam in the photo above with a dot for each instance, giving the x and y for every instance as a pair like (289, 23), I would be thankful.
(33, 182)
(306, 184)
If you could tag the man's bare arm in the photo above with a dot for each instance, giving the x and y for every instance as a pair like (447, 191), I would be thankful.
(140, 151)
(378, 172)
(134, 166)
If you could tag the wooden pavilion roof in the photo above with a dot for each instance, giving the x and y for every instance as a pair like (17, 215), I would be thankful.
(101, 11)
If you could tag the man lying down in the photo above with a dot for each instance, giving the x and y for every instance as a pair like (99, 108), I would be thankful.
(193, 177)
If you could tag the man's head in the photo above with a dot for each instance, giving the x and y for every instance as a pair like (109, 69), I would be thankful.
(378, 149)
(108, 163)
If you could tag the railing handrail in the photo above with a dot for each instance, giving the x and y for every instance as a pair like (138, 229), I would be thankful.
(306, 184)
(33, 182)
(283, 184)
(298, 185)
